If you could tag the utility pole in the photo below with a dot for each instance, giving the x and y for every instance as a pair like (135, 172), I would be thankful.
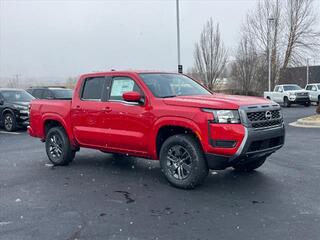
(308, 71)
(180, 70)
(270, 20)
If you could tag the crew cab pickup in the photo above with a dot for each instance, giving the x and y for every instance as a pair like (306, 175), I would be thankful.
(314, 92)
(288, 94)
(160, 116)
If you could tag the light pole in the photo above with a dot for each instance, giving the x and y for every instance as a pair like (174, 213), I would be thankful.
(308, 71)
(180, 70)
(270, 20)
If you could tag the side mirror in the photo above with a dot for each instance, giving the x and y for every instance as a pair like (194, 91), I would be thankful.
(132, 96)
(1, 102)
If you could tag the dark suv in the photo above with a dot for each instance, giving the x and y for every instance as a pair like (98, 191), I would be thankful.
(50, 92)
(14, 108)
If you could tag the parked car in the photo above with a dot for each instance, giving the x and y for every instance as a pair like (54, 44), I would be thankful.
(164, 116)
(288, 94)
(314, 92)
(50, 92)
(14, 108)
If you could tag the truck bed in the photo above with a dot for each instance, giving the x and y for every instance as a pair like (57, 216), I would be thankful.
(49, 109)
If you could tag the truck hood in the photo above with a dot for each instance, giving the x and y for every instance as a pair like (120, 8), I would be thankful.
(216, 101)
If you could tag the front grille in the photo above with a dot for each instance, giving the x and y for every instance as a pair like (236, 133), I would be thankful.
(302, 94)
(265, 118)
(261, 116)
(265, 144)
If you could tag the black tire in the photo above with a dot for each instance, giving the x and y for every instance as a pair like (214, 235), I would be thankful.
(307, 104)
(250, 166)
(58, 147)
(286, 102)
(9, 122)
(318, 103)
(182, 161)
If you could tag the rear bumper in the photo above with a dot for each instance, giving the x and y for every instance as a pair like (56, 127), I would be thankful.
(256, 143)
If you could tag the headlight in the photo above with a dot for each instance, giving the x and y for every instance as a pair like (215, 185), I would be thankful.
(225, 116)
(19, 107)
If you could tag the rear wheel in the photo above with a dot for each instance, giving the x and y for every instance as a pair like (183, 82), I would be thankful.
(318, 103)
(286, 102)
(182, 161)
(58, 147)
(250, 166)
(9, 122)
(307, 104)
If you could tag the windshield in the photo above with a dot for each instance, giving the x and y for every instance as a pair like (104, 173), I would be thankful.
(318, 85)
(171, 85)
(62, 93)
(291, 87)
(16, 96)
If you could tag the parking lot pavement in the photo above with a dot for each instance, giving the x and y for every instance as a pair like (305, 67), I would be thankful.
(99, 197)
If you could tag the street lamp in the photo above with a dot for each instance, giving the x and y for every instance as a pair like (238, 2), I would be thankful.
(180, 70)
(308, 71)
(270, 21)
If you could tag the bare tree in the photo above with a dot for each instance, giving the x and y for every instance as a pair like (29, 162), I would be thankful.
(256, 27)
(246, 66)
(301, 37)
(210, 54)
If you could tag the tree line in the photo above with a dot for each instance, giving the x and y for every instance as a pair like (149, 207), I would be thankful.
(284, 31)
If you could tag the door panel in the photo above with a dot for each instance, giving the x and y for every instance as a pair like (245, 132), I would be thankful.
(87, 114)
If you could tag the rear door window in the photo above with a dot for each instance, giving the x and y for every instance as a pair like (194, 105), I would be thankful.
(93, 89)
(47, 94)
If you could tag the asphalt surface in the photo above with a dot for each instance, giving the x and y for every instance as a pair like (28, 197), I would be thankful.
(99, 197)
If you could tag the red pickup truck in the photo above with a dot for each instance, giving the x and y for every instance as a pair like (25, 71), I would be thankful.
(165, 116)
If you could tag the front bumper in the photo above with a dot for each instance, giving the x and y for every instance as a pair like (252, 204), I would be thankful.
(299, 100)
(256, 143)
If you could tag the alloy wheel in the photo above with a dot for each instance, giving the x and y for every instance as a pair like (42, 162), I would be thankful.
(56, 146)
(179, 162)
(8, 122)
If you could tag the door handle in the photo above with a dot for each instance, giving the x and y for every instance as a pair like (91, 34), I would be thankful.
(107, 109)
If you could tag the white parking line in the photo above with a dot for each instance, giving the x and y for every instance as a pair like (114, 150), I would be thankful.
(13, 133)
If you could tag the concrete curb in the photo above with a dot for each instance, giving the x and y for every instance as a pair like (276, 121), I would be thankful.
(308, 124)
(303, 121)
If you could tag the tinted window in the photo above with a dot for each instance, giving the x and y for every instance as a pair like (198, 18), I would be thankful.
(16, 96)
(93, 88)
(171, 85)
(291, 87)
(121, 85)
(318, 86)
(47, 94)
(62, 93)
(309, 87)
(37, 93)
(276, 89)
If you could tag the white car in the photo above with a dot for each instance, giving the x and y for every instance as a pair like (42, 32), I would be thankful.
(314, 92)
(288, 94)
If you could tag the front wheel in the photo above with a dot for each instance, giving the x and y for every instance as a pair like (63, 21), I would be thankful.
(286, 102)
(10, 123)
(58, 147)
(307, 104)
(182, 161)
(250, 166)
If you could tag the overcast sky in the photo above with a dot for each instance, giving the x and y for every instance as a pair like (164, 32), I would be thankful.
(67, 38)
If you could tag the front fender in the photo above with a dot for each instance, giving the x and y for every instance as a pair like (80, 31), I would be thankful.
(173, 121)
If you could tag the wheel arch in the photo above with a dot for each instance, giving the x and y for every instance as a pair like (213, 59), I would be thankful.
(167, 127)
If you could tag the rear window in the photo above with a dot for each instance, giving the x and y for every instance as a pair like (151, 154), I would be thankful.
(93, 88)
